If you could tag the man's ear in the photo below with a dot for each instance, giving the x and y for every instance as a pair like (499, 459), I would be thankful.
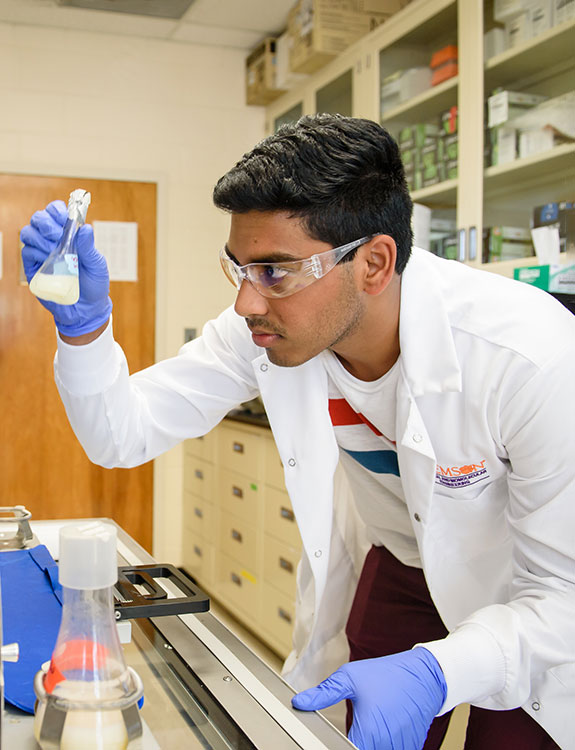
(379, 263)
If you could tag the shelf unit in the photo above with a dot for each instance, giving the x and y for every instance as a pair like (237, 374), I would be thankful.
(479, 197)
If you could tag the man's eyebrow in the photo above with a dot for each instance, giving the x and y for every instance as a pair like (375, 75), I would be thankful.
(277, 257)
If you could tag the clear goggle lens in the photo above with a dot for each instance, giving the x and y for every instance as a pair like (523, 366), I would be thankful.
(283, 279)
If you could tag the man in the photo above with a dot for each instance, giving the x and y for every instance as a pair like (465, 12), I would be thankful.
(446, 393)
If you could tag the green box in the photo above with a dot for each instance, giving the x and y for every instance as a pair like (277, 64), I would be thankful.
(416, 136)
(534, 275)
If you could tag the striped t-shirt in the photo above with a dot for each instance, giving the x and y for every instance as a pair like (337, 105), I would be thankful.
(363, 416)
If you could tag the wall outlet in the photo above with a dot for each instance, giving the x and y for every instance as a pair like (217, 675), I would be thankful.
(189, 334)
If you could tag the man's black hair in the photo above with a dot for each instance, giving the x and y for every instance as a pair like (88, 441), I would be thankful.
(342, 176)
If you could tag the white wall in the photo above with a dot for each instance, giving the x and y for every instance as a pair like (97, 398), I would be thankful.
(94, 105)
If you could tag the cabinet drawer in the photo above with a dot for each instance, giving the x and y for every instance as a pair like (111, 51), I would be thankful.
(278, 617)
(280, 565)
(274, 474)
(239, 495)
(240, 451)
(199, 516)
(279, 517)
(202, 447)
(239, 540)
(199, 558)
(199, 477)
(237, 586)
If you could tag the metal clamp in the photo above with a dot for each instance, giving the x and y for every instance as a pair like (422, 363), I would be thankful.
(23, 536)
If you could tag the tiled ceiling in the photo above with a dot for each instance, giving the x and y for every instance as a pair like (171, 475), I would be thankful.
(231, 23)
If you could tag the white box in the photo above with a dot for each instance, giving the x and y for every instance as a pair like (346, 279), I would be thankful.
(404, 85)
(506, 144)
(518, 29)
(414, 81)
(541, 16)
(534, 141)
(505, 105)
(504, 10)
(493, 43)
(563, 10)
(557, 113)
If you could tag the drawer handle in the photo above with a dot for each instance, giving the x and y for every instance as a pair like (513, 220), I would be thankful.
(197, 550)
(199, 512)
(236, 579)
(238, 447)
(286, 565)
(284, 615)
(199, 474)
(237, 536)
(237, 492)
(287, 514)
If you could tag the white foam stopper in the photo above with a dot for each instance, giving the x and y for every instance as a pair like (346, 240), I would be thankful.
(87, 557)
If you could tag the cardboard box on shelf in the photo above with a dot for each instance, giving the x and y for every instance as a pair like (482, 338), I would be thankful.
(560, 214)
(563, 10)
(448, 121)
(451, 169)
(503, 10)
(321, 29)
(493, 42)
(541, 16)
(503, 144)
(261, 86)
(285, 77)
(551, 278)
(450, 147)
(503, 106)
(506, 243)
(444, 64)
(533, 142)
(403, 85)
(518, 29)
(557, 113)
(432, 174)
(419, 135)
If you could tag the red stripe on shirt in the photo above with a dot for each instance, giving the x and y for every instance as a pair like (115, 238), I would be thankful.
(342, 414)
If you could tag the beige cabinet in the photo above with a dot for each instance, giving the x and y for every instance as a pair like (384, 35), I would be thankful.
(240, 539)
(480, 195)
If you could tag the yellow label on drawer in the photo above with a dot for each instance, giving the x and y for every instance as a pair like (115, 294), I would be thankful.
(249, 576)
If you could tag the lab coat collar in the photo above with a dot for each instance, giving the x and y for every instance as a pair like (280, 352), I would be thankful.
(430, 363)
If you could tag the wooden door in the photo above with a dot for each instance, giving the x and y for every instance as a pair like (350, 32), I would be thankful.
(42, 465)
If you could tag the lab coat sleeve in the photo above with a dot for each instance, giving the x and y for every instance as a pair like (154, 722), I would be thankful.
(124, 421)
(497, 655)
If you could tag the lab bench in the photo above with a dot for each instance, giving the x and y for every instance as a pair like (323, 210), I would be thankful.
(203, 687)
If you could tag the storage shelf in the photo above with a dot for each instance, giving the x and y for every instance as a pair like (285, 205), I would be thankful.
(425, 105)
(441, 195)
(547, 49)
(418, 22)
(545, 165)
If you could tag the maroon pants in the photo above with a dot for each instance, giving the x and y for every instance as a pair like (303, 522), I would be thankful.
(391, 612)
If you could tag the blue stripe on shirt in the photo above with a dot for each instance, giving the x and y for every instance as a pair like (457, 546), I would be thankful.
(380, 462)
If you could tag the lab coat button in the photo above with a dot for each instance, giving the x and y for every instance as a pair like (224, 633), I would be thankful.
(536, 706)
(317, 553)
(291, 462)
(417, 517)
(417, 438)
(264, 367)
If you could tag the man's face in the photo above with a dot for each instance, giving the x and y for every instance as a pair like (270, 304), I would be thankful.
(296, 328)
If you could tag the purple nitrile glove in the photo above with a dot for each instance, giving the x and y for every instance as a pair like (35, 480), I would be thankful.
(94, 306)
(395, 698)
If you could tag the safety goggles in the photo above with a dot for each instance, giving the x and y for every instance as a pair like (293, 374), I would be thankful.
(285, 278)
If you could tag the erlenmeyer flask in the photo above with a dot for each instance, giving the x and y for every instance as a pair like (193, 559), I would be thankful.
(87, 699)
(57, 278)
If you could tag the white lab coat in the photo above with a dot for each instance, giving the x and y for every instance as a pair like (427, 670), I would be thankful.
(486, 448)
